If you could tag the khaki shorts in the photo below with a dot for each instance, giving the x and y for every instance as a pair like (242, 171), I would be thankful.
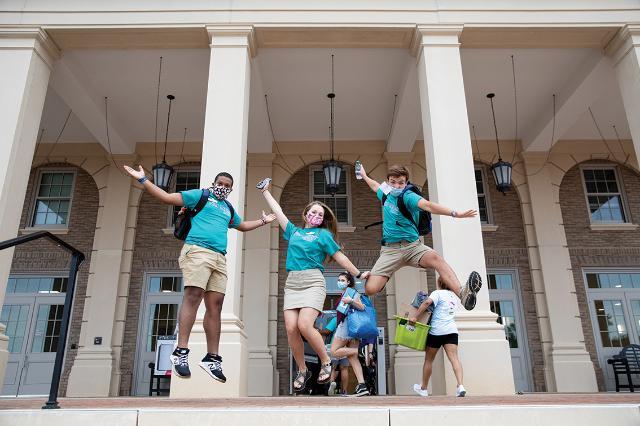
(203, 268)
(396, 255)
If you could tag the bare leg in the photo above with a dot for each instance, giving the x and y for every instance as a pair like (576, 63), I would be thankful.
(306, 318)
(429, 356)
(340, 348)
(452, 353)
(355, 362)
(294, 338)
(375, 284)
(213, 302)
(187, 316)
(433, 260)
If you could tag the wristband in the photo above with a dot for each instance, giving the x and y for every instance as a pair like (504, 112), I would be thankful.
(143, 179)
(359, 274)
(264, 222)
(454, 213)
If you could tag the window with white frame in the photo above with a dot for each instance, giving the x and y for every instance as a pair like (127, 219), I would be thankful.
(185, 180)
(339, 203)
(53, 198)
(483, 196)
(604, 197)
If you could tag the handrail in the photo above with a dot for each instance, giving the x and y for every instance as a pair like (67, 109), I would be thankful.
(77, 257)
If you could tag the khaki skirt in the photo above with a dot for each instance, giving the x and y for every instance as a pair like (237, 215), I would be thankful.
(305, 289)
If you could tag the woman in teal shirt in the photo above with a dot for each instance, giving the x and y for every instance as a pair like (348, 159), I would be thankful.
(305, 288)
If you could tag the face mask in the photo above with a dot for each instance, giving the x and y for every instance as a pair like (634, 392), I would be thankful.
(221, 192)
(396, 192)
(342, 285)
(314, 220)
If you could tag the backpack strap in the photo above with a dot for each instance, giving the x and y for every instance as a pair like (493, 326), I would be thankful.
(231, 210)
(403, 208)
(204, 197)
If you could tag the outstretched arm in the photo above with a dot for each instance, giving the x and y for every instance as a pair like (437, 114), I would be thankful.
(275, 207)
(374, 185)
(174, 199)
(436, 208)
(250, 225)
(344, 261)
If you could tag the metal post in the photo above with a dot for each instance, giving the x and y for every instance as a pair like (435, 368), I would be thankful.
(76, 260)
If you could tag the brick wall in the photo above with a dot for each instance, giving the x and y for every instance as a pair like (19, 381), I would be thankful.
(362, 247)
(589, 248)
(42, 257)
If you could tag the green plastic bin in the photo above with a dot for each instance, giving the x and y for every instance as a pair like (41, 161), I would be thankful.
(412, 336)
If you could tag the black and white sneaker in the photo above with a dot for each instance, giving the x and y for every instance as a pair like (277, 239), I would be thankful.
(180, 360)
(212, 364)
(468, 293)
(361, 390)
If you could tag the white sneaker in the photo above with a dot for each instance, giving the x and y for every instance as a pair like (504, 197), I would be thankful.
(461, 391)
(418, 389)
(332, 389)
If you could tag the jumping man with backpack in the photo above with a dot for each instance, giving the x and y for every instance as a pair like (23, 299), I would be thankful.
(203, 226)
(406, 216)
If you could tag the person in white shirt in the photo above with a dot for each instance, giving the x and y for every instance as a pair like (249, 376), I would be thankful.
(443, 333)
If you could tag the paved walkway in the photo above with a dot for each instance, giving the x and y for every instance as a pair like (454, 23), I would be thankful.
(326, 402)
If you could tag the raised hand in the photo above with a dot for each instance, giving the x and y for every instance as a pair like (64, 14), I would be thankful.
(268, 218)
(264, 184)
(138, 174)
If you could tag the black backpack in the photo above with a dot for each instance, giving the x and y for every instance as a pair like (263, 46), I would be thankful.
(182, 224)
(424, 219)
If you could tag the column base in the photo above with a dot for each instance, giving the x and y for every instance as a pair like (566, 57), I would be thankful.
(573, 370)
(90, 374)
(233, 349)
(484, 354)
(260, 370)
(407, 368)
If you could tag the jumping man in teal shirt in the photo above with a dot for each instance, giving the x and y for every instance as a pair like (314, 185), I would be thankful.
(203, 264)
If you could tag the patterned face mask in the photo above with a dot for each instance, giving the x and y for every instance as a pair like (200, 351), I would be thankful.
(221, 192)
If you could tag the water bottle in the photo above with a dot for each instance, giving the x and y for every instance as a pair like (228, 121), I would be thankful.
(358, 169)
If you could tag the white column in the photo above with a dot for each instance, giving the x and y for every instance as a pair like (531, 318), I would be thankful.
(93, 368)
(484, 351)
(256, 283)
(225, 149)
(568, 366)
(26, 58)
(625, 50)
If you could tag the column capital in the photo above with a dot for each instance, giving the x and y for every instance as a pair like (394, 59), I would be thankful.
(230, 36)
(22, 38)
(625, 39)
(435, 35)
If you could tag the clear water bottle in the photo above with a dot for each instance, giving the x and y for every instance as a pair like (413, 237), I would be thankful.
(358, 169)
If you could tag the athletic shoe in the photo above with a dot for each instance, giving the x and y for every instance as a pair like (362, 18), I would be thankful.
(263, 183)
(461, 391)
(180, 360)
(212, 364)
(332, 389)
(418, 389)
(361, 390)
(468, 293)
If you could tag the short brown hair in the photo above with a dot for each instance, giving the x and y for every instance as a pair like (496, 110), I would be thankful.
(397, 171)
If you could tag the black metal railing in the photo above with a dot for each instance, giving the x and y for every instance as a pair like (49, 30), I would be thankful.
(77, 257)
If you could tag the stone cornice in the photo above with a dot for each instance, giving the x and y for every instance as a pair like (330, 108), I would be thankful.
(30, 38)
(233, 36)
(435, 35)
(627, 38)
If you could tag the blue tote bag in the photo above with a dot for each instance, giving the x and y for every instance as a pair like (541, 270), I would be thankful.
(362, 324)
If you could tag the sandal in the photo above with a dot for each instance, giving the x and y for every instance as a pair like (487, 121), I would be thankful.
(301, 380)
(325, 374)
